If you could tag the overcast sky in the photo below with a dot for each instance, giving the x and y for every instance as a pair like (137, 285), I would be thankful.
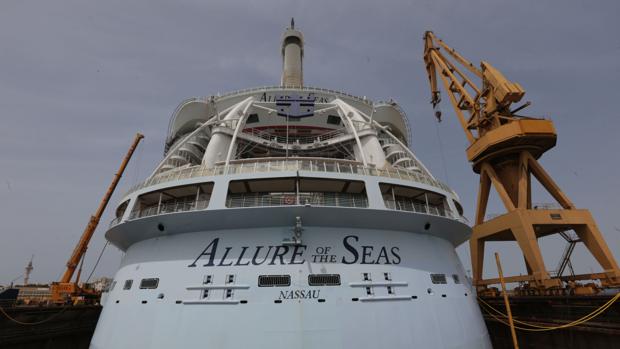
(79, 78)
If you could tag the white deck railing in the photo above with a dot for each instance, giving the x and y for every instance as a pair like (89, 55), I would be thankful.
(412, 206)
(165, 207)
(311, 165)
(291, 199)
(293, 139)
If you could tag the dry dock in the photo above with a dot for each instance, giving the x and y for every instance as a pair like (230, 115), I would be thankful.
(602, 331)
(50, 327)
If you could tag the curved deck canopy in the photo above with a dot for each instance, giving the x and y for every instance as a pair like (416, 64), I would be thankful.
(193, 111)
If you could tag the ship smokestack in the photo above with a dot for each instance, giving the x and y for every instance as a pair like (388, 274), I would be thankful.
(292, 57)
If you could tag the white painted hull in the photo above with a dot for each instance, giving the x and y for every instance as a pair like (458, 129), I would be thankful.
(247, 173)
(447, 316)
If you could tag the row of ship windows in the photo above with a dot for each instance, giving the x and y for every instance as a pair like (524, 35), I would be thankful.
(145, 284)
(285, 280)
(331, 119)
(286, 191)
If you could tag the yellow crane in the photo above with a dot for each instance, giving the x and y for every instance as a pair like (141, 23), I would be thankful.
(504, 149)
(65, 290)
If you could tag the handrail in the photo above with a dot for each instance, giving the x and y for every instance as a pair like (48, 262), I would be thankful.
(307, 88)
(276, 199)
(292, 139)
(168, 207)
(292, 198)
(318, 165)
(412, 206)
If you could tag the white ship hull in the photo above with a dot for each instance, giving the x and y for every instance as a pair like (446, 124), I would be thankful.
(290, 217)
(416, 313)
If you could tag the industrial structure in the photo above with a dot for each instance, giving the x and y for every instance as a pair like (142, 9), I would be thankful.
(504, 148)
(66, 290)
(28, 270)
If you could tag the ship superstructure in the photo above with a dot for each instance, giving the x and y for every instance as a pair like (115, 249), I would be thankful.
(290, 217)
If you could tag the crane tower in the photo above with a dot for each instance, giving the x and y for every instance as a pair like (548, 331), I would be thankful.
(504, 149)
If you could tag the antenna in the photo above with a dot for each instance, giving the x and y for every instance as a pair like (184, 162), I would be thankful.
(29, 268)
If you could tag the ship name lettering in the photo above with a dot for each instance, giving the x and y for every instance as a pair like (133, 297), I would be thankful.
(322, 255)
(300, 294)
(368, 252)
(354, 253)
(270, 255)
(271, 98)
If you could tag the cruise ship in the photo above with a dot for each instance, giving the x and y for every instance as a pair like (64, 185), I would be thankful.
(289, 217)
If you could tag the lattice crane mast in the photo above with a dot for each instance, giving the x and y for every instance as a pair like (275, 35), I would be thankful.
(503, 149)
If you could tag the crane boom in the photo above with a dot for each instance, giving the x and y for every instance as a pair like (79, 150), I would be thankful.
(503, 149)
(82, 245)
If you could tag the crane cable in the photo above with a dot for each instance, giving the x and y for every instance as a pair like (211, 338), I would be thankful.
(443, 156)
(33, 323)
(98, 259)
(539, 328)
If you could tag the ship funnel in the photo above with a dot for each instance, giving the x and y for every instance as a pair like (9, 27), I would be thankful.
(292, 57)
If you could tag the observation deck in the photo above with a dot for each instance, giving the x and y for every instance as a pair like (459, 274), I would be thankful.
(271, 191)
(286, 149)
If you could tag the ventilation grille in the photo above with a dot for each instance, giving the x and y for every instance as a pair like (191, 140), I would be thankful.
(438, 278)
(324, 279)
(274, 280)
(149, 283)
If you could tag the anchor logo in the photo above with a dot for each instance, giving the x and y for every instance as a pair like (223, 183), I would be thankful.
(295, 105)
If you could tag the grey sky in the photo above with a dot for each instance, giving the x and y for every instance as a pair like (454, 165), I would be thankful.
(79, 78)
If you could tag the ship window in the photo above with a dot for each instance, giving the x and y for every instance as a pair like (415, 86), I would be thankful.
(151, 283)
(128, 284)
(292, 40)
(438, 278)
(262, 186)
(252, 118)
(331, 185)
(412, 199)
(297, 191)
(274, 280)
(459, 208)
(456, 279)
(113, 285)
(366, 276)
(120, 211)
(334, 120)
(324, 279)
(387, 276)
(175, 199)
